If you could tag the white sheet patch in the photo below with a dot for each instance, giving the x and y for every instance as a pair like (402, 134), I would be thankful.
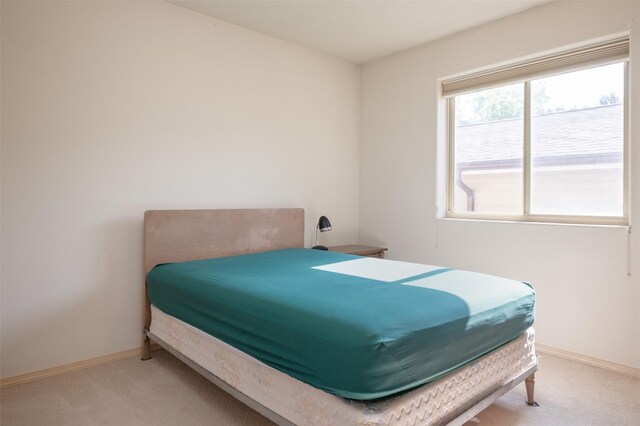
(377, 269)
(480, 292)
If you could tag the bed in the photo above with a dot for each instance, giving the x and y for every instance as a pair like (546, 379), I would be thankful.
(318, 392)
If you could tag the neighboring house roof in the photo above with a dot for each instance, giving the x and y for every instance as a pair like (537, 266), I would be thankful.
(592, 135)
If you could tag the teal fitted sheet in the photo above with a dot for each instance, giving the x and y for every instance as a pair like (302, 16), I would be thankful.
(339, 322)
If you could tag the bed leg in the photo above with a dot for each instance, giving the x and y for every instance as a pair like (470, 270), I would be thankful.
(146, 344)
(146, 348)
(530, 384)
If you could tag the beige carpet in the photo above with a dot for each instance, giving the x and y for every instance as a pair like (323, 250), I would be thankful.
(163, 391)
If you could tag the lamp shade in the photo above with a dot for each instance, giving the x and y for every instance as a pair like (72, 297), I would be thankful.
(324, 224)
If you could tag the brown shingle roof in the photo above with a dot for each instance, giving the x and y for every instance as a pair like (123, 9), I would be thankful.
(589, 132)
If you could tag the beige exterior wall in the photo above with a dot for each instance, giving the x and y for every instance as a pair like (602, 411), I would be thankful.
(571, 189)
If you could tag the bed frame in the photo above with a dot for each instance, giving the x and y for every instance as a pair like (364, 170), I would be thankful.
(182, 235)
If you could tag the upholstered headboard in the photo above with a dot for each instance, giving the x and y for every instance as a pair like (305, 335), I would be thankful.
(181, 235)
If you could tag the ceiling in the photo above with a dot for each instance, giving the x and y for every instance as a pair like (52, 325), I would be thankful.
(358, 30)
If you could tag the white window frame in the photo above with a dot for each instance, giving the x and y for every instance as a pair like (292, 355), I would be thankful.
(615, 50)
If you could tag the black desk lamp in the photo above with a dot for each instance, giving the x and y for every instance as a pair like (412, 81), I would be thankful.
(323, 225)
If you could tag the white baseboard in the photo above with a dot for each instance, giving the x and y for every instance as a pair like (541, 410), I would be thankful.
(74, 366)
(612, 366)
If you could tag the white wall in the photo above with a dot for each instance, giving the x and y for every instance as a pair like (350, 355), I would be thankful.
(113, 108)
(586, 302)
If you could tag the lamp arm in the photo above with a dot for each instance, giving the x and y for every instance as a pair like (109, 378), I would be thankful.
(317, 227)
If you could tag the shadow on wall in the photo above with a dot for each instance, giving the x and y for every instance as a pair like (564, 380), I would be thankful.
(92, 306)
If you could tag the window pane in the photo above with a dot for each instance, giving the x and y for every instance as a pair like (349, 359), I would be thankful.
(577, 143)
(488, 151)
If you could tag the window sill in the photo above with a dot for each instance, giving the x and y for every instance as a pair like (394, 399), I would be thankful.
(622, 225)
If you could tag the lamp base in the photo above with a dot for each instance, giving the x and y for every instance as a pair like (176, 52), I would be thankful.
(319, 248)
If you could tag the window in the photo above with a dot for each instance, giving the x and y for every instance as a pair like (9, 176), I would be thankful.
(543, 140)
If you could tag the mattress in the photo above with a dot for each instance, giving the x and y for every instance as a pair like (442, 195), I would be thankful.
(360, 328)
(437, 402)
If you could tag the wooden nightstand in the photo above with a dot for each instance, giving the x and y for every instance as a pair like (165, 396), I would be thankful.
(360, 250)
